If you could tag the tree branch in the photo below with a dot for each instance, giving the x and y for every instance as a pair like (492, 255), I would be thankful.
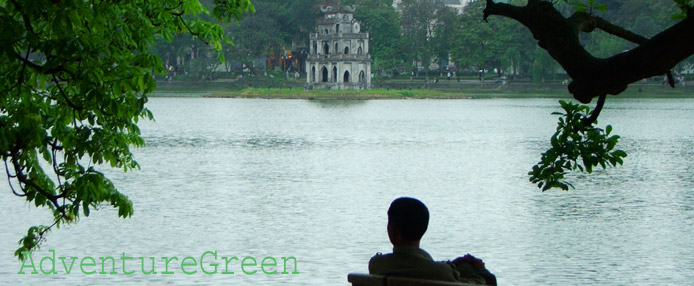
(9, 181)
(196, 35)
(617, 31)
(25, 18)
(54, 150)
(62, 93)
(594, 77)
(20, 81)
(22, 178)
(596, 112)
(40, 68)
(62, 216)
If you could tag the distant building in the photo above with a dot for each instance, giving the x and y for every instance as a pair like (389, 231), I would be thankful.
(338, 53)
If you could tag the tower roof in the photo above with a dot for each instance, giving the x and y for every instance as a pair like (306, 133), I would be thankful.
(337, 9)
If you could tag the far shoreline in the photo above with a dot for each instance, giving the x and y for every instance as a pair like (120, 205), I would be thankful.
(396, 90)
(398, 94)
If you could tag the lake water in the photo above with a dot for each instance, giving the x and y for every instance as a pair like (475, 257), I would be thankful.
(313, 180)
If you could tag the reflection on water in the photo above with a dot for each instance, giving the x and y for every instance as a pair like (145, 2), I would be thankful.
(336, 103)
(252, 142)
(313, 179)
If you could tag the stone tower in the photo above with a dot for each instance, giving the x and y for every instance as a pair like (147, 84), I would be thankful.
(339, 52)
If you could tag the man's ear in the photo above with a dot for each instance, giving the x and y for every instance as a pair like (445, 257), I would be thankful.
(393, 234)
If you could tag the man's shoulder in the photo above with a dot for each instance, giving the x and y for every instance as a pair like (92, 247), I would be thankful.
(379, 261)
(379, 256)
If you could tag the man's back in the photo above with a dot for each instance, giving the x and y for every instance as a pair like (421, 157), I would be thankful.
(411, 262)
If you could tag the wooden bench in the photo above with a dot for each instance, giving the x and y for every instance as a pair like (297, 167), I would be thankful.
(359, 279)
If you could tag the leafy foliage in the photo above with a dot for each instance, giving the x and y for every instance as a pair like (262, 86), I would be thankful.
(544, 67)
(575, 145)
(417, 26)
(588, 7)
(380, 20)
(255, 36)
(684, 6)
(74, 79)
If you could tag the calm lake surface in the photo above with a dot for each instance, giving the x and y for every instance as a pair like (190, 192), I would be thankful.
(313, 180)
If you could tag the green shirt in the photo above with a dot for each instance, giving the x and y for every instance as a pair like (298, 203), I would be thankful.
(414, 262)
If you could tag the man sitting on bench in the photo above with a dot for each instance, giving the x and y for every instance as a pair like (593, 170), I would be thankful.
(408, 219)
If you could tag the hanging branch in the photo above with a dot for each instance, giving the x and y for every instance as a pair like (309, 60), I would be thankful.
(596, 112)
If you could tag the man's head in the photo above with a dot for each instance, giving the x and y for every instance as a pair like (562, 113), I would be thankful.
(408, 219)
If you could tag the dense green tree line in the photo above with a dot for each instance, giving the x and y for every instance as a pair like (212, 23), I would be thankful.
(416, 35)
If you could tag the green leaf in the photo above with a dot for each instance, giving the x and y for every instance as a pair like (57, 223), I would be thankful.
(619, 153)
(578, 4)
(85, 208)
(600, 7)
(117, 88)
(141, 82)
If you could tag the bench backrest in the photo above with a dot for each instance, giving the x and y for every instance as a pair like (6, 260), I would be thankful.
(358, 279)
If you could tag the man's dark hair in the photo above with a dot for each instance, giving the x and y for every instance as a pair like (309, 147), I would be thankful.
(410, 217)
